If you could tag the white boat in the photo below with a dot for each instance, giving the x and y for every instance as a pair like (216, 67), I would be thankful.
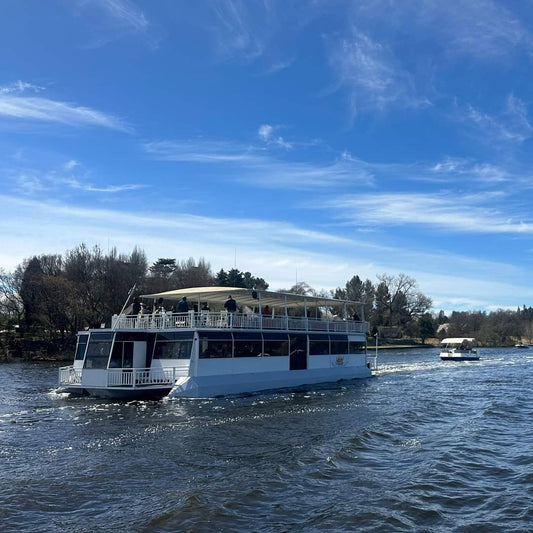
(459, 349)
(521, 345)
(202, 353)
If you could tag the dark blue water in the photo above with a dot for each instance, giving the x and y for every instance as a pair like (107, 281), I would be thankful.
(423, 446)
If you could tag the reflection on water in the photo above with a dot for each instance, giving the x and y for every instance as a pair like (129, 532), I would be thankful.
(424, 445)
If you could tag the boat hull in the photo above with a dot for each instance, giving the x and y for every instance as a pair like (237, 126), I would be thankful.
(118, 393)
(459, 358)
(215, 386)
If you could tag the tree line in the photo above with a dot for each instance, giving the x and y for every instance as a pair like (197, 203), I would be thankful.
(48, 298)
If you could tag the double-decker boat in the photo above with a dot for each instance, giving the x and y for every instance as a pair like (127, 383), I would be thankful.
(271, 340)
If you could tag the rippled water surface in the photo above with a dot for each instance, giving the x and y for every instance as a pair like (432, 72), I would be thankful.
(422, 446)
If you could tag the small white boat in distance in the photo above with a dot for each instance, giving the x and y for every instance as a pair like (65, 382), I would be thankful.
(459, 349)
(521, 345)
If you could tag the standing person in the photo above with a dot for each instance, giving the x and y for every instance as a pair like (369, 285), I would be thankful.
(266, 310)
(183, 305)
(136, 306)
(230, 305)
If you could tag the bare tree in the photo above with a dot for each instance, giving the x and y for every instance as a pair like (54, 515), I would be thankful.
(404, 302)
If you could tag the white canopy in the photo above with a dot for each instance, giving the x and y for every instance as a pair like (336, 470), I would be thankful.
(249, 297)
(457, 340)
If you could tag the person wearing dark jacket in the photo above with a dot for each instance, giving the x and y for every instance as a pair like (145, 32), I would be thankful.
(183, 305)
(230, 305)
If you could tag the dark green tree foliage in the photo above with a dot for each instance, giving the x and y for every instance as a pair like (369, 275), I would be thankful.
(31, 292)
(358, 291)
(426, 327)
(160, 277)
(236, 278)
(163, 268)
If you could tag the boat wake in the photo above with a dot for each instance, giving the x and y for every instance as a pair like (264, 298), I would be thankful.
(394, 368)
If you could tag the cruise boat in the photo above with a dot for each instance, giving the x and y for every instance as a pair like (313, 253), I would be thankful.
(271, 340)
(459, 349)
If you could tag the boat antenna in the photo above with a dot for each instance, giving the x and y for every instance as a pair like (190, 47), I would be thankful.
(130, 292)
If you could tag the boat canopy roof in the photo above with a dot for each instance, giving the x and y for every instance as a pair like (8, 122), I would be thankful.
(249, 297)
(457, 340)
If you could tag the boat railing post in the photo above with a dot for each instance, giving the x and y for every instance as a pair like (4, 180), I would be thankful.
(375, 365)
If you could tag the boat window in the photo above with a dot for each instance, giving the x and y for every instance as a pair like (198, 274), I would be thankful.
(122, 355)
(339, 344)
(356, 346)
(247, 344)
(80, 348)
(318, 344)
(98, 350)
(215, 344)
(298, 343)
(275, 344)
(173, 346)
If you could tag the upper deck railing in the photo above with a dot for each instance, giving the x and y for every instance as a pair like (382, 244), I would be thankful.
(225, 320)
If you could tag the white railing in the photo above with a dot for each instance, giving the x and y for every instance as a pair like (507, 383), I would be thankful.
(136, 377)
(68, 375)
(116, 377)
(223, 319)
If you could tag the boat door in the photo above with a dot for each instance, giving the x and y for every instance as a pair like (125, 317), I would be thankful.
(298, 352)
(139, 354)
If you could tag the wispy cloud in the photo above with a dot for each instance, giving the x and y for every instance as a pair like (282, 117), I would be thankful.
(483, 29)
(373, 77)
(236, 33)
(452, 212)
(19, 87)
(87, 187)
(459, 169)
(267, 134)
(511, 125)
(70, 176)
(46, 110)
(125, 12)
(255, 166)
(200, 151)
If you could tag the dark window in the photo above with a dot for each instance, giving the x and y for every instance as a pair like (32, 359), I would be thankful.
(356, 346)
(80, 348)
(247, 344)
(298, 343)
(339, 344)
(298, 354)
(275, 344)
(176, 345)
(318, 345)
(98, 350)
(122, 355)
(215, 344)
(173, 349)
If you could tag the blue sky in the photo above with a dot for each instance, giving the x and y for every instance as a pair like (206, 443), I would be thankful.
(298, 140)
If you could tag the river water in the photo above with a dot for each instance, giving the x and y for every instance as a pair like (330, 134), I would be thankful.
(422, 446)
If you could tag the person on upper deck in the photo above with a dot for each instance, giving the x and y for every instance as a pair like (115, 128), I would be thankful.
(136, 309)
(183, 305)
(230, 304)
(266, 310)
